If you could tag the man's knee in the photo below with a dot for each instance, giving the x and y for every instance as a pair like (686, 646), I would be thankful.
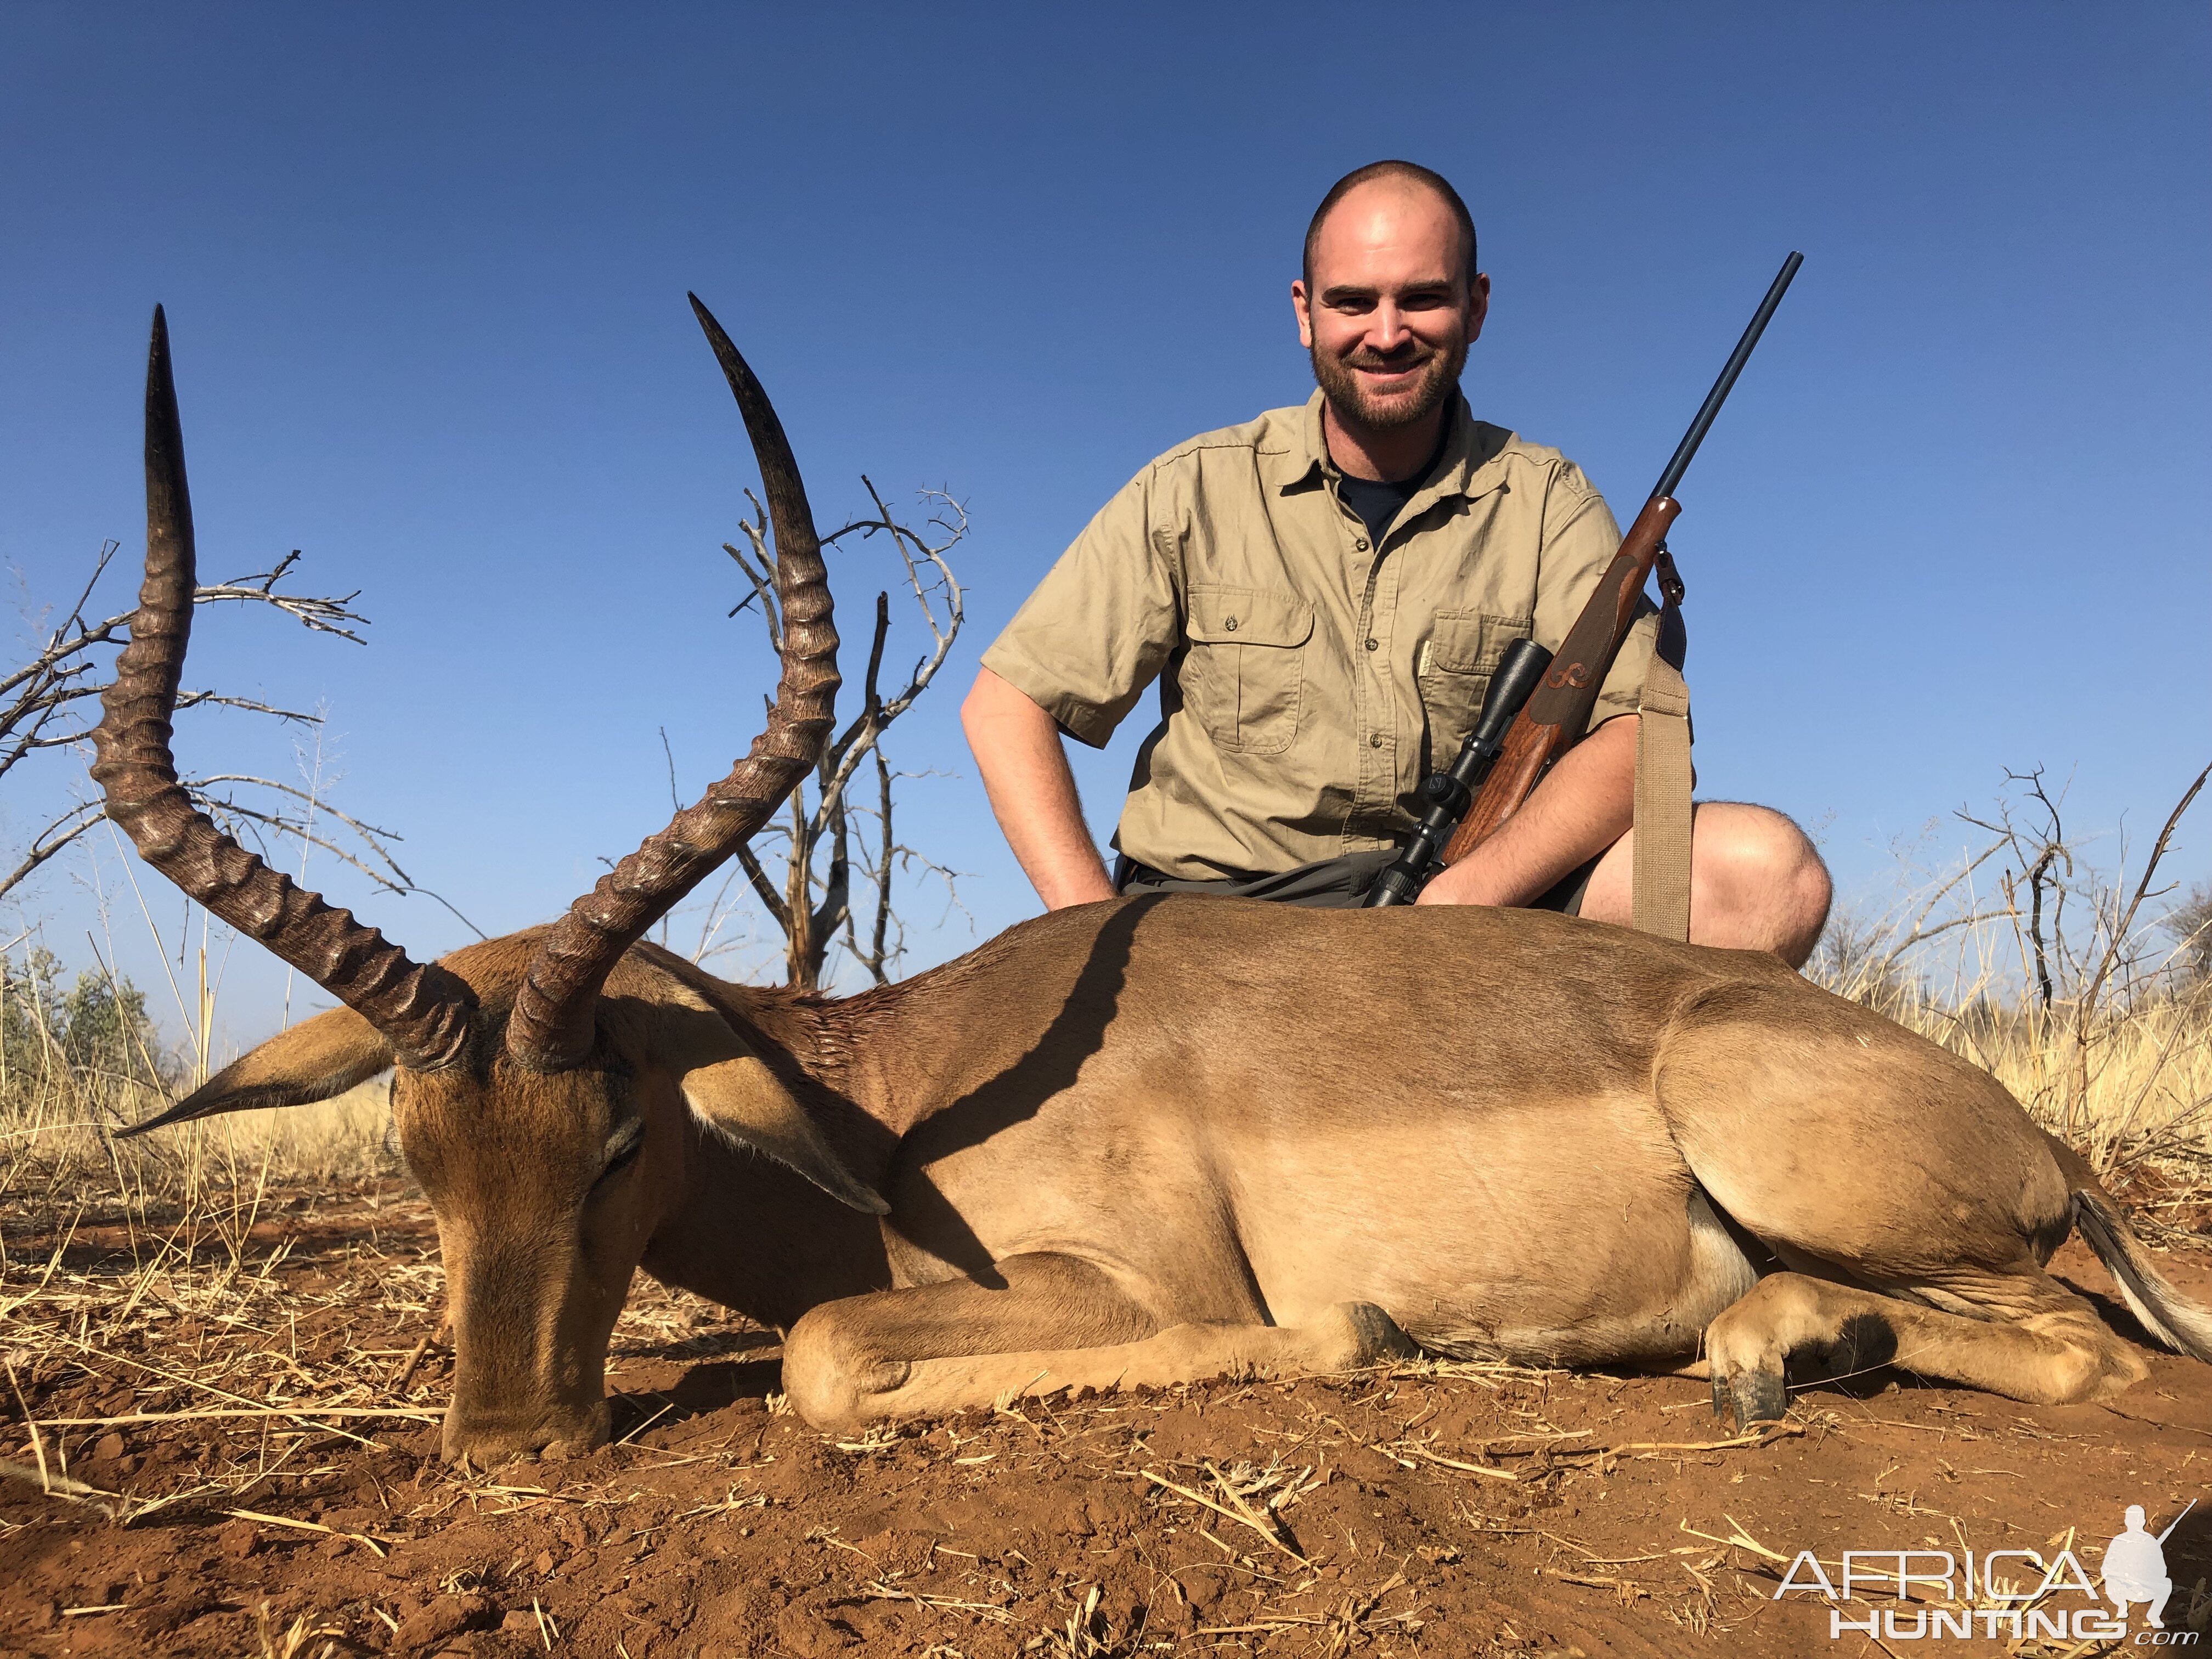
(1753, 865)
(1758, 845)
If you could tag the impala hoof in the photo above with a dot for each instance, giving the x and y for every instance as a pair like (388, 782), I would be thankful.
(1759, 1399)
(1356, 1333)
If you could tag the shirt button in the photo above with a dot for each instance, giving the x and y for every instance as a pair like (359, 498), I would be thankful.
(1229, 624)
(1375, 742)
(1359, 542)
(1374, 645)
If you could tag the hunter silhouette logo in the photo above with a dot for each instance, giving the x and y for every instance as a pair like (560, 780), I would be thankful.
(2134, 1567)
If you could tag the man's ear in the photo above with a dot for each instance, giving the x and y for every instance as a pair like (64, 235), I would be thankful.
(1477, 306)
(316, 1058)
(730, 1090)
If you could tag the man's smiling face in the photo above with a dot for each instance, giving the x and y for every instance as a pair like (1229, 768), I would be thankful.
(1388, 309)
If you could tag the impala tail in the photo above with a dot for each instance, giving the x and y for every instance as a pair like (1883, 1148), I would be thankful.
(2180, 1322)
(2183, 1325)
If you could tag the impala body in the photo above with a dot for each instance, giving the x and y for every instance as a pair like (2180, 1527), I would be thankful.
(1147, 1140)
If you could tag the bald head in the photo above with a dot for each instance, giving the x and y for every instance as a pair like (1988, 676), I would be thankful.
(1384, 187)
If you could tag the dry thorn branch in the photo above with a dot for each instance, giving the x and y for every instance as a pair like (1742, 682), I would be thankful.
(43, 701)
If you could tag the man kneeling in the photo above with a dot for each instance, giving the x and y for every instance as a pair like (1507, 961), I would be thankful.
(1323, 594)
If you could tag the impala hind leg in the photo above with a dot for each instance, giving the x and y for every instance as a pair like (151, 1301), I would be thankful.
(1059, 1324)
(2040, 1343)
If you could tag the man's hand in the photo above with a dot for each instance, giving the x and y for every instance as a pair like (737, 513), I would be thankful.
(1017, 749)
(1584, 804)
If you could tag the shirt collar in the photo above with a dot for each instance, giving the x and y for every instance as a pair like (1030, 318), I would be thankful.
(1472, 465)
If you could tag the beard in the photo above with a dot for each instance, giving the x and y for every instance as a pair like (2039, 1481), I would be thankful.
(1356, 407)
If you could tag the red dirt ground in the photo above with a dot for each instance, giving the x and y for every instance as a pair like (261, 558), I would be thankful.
(1452, 1510)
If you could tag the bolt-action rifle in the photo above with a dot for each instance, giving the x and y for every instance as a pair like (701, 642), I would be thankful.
(1550, 710)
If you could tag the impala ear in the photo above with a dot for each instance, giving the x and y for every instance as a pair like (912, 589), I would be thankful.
(740, 1097)
(730, 1090)
(316, 1058)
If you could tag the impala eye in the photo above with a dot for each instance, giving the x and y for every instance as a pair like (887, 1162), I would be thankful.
(623, 1147)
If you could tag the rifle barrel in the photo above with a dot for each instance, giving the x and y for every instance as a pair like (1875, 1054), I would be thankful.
(2177, 1520)
(1686, 450)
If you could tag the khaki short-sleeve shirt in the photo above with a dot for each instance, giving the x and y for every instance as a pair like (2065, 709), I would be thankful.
(1308, 682)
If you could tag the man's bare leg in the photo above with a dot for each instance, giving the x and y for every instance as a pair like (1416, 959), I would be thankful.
(1756, 882)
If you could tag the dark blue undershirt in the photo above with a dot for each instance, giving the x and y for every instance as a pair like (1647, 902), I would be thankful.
(1377, 502)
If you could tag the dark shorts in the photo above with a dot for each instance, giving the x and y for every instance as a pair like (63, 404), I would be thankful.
(1338, 883)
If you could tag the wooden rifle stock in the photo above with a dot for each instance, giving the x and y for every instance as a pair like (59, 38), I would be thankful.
(1558, 713)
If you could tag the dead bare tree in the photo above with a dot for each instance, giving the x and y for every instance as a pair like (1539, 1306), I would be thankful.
(2112, 953)
(812, 903)
(2189, 924)
(43, 706)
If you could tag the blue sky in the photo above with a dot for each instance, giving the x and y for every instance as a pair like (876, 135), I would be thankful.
(425, 269)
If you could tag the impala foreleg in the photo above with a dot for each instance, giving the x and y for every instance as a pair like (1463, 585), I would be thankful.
(2042, 1343)
(940, 1348)
(1341, 1338)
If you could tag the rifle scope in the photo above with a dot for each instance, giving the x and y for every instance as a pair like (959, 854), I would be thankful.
(1449, 792)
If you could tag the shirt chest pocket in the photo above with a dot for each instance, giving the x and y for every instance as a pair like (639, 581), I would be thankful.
(1456, 666)
(1244, 674)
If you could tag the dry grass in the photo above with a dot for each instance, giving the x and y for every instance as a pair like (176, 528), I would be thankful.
(61, 1161)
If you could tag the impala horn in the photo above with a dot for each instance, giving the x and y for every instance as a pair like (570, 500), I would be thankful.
(422, 1012)
(551, 1026)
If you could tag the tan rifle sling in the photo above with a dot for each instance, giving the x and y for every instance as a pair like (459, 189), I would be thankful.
(1661, 902)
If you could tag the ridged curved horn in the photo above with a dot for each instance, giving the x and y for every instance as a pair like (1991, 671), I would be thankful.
(551, 1026)
(422, 1010)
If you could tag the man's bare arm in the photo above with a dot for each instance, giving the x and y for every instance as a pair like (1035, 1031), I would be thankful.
(1017, 749)
(1585, 803)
